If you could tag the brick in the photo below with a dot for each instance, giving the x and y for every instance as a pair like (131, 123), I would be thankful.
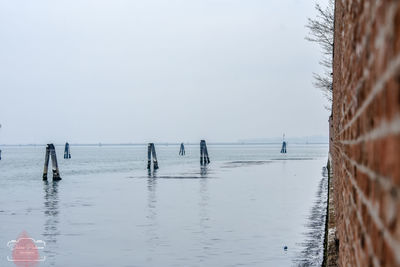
(367, 41)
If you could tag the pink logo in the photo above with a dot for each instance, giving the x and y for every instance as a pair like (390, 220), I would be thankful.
(25, 251)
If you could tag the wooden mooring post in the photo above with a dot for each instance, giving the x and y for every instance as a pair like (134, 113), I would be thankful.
(151, 152)
(204, 159)
(51, 151)
(0, 154)
(67, 152)
(283, 149)
(182, 150)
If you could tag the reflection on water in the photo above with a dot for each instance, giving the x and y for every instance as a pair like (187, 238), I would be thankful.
(151, 173)
(203, 203)
(151, 229)
(240, 210)
(203, 171)
(204, 219)
(312, 254)
(51, 212)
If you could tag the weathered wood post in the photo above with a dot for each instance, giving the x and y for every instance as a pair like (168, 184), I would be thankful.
(0, 149)
(283, 149)
(182, 150)
(151, 152)
(149, 156)
(51, 152)
(46, 162)
(204, 159)
(67, 152)
(54, 163)
(206, 153)
(155, 162)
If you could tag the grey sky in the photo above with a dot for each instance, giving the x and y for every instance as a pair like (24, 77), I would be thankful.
(157, 70)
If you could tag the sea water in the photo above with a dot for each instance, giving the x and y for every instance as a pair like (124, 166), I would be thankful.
(108, 210)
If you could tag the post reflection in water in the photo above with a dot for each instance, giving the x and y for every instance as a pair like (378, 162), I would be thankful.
(204, 219)
(51, 212)
(152, 173)
(203, 171)
(151, 230)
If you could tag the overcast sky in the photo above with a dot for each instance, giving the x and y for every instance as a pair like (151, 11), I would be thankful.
(117, 71)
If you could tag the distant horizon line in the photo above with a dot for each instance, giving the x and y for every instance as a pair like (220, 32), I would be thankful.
(170, 143)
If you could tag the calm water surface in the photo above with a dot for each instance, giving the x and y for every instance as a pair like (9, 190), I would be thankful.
(241, 210)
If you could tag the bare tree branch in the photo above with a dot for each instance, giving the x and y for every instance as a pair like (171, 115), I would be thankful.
(321, 32)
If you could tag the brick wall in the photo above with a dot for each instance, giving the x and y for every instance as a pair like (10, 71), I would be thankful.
(366, 125)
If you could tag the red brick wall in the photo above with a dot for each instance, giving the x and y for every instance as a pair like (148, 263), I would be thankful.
(366, 138)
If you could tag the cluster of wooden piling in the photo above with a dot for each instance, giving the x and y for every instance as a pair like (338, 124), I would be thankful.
(182, 150)
(67, 152)
(204, 159)
(51, 152)
(151, 157)
(151, 153)
(283, 149)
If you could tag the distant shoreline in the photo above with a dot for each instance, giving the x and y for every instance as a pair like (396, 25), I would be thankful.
(170, 144)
